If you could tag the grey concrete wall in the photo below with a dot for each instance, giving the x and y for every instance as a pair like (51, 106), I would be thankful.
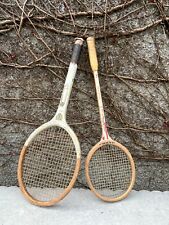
(133, 50)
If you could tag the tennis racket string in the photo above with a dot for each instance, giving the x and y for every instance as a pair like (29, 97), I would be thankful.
(47, 170)
(110, 171)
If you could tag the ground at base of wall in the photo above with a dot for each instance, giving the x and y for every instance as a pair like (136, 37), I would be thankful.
(82, 207)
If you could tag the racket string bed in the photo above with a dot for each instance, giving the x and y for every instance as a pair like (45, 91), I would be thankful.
(110, 171)
(49, 164)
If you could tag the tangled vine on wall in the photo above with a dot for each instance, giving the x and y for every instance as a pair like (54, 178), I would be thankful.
(132, 40)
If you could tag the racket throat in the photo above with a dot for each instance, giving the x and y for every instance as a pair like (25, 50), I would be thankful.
(60, 116)
(105, 135)
(62, 109)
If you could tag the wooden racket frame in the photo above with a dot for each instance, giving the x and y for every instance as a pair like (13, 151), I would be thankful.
(30, 198)
(105, 136)
(89, 156)
(58, 120)
(53, 201)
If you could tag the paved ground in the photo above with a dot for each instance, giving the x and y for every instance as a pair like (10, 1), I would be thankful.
(81, 207)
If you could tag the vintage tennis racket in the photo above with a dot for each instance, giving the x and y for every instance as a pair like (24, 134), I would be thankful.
(50, 159)
(110, 169)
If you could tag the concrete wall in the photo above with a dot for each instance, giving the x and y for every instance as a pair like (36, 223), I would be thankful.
(133, 51)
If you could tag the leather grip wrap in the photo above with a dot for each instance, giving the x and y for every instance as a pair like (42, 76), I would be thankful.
(92, 53)
(76, 50)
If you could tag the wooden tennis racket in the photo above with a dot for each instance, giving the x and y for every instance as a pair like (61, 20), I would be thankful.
(110, 169)
(49, 161)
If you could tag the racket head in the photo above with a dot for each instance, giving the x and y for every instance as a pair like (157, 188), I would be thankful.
(49, 163)
(110, 170)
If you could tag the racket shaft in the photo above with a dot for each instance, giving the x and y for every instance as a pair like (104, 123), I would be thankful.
(100, 104)
(94, 66)
(69, 78)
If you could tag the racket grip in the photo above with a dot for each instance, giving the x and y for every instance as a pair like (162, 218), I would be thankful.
(76, 50)
(92, 53)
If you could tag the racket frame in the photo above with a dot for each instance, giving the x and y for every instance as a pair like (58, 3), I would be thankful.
(105, 139)
(87, 172)
(58, 120)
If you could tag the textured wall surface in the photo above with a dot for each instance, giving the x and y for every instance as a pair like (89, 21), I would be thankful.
(133, 49)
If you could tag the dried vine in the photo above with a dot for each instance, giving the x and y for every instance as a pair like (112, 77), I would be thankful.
(38, 29)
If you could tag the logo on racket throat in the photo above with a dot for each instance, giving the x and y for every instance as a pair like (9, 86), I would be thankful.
(59, 116)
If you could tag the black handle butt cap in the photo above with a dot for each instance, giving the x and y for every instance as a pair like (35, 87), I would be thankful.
(76, 50)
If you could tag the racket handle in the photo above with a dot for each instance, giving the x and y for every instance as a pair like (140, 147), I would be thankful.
(76, 50)
(92, 53)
